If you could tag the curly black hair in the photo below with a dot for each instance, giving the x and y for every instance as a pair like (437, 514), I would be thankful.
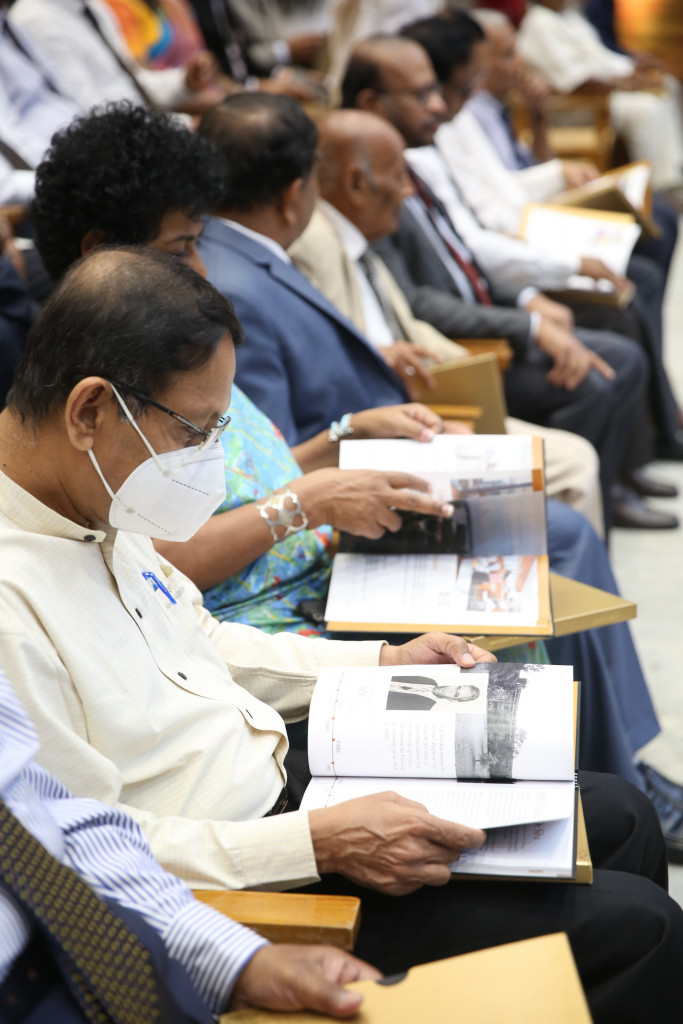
(119, 170)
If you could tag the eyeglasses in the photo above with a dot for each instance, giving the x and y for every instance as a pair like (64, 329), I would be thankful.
(422, 96)
(209, 437)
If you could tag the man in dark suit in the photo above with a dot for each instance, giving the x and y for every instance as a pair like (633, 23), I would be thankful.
(559, 377)
(304, 364)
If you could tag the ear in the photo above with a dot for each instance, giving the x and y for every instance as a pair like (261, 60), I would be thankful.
(369, 99)
(355, 184)
(88, 407)
(288, 204)
(91, 240)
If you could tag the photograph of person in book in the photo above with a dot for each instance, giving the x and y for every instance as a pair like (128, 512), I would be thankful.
(419, 693)
(487, 738)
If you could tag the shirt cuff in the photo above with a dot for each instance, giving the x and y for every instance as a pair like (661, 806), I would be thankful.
(213, 949)
(279, 848)
(526, 295)
(534, 326)
(281, 52)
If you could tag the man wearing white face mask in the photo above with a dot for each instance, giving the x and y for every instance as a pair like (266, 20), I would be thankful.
(168, 496)
(140, 698)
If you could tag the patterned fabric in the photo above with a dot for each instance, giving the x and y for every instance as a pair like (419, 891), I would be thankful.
(110, 970)
(160, 35)
(267, 593)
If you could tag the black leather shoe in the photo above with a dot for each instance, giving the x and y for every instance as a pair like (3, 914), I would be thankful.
(671, 448)
(647, 487)
(630, 512)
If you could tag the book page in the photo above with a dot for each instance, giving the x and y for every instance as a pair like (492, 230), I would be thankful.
(475, 804)
(573, 234)
(634, 182)
(452, 592)
(456, 465)
(538, 849)
(495, 720)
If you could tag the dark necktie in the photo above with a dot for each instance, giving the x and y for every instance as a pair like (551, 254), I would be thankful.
(13, 158)
(142, 92)
(368, 263)
(11, 34)
(232, 49)
(109, 970)
(478, 282)
(521, 156)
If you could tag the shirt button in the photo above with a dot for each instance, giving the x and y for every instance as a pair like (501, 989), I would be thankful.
(90, 536)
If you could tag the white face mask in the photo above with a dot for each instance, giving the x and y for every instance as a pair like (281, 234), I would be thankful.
(168, 496)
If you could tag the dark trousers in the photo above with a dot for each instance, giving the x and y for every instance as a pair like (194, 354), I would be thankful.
(625, 932)
(641, 321)
(600, 410)
(180, 1003)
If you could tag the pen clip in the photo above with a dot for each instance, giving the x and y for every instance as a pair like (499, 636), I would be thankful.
(158, 585)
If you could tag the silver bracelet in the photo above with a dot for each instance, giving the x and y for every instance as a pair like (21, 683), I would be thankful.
(340, 428)
(280, 517)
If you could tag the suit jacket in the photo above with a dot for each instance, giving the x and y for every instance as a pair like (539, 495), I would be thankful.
(320, 254)
(433, 295)
(303, 363)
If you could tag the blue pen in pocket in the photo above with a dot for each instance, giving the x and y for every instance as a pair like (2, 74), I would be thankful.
(158, 585)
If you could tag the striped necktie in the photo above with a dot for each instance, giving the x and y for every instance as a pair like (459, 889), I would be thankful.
(108, 969)
(477, 281)
(368, 263)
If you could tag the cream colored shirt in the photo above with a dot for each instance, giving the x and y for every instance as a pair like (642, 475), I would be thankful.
(145, 701)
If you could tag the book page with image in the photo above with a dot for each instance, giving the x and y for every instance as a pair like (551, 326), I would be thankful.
(414, 593)
(571, 233)
(496, 720)
(456, 465)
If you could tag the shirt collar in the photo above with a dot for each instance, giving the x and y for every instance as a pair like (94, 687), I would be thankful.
(32, 515)
(256, 236)
(354, 241)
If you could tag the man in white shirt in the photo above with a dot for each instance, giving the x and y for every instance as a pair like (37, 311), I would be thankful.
(89, 58)
(32, 109)
(131, 683)
(555, 38)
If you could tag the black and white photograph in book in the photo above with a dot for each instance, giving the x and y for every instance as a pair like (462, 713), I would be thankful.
(487, 737)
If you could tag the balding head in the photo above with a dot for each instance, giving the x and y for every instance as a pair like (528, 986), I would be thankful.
(362, 170)
(394, 78)
(133, 315)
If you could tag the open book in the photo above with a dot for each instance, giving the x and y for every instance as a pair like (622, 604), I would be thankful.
(625, 189)
(485, 569)
(571, 234)
(491, 747)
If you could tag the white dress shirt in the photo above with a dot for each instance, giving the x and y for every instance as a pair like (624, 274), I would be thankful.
(567, 50)
(109, 852)
(84, 67)
(376, 328)
(496, 194)
(153, 705)
(256, 236)
(30, 113)
(501, 257)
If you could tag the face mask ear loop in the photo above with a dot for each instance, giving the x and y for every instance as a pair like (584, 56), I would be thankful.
(108, 489)
(157, 461)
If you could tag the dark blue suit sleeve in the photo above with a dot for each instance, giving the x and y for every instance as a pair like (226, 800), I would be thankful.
(261, 370)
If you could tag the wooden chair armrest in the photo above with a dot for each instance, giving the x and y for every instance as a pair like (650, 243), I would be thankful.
(467, 413)
(14, 212)
(290, 917)
(499, 346)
